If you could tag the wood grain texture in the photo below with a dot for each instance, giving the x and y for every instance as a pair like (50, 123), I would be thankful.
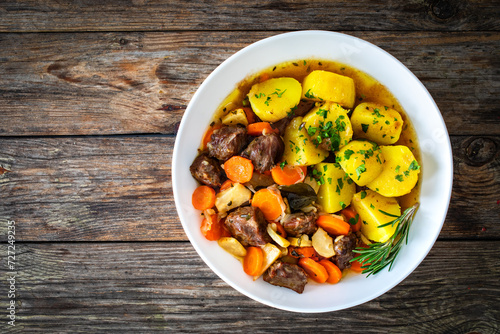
(135, 83)
(119, 188)
(149, 287)
(147, 15)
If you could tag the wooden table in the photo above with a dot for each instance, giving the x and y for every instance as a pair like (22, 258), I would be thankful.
(91, 96)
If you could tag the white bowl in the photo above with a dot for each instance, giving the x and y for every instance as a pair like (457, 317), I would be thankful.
(436, 177)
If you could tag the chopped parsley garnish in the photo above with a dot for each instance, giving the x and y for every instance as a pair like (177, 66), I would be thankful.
(414, 165)
(363, 194)
(399, 177)
(309, 95)
(348, 153)
(364, 127)
(360, 170)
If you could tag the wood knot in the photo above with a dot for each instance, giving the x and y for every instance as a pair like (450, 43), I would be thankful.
(123, 41)
(442, 9)
(481, 150)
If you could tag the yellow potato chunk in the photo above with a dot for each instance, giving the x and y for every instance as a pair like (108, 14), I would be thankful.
(377, 122)
(299, 149)
(336, 190)
(362, 160)
(400, 172)
(328, 86)
(329, 122)
(274, 99)
(233, 247)
(376, 210)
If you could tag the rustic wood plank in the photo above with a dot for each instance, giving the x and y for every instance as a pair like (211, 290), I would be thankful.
(119, 188)
(141, 15)
(122, 83)
(148, 287)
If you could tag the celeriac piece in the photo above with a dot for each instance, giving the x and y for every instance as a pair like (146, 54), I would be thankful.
(233, 247)
(302, 241)
(271, 254)
(400, 172)
(328, 86)
(362, 160)
(376, 210)
(236, 116)
(276, 237)
(323, 243)
(377, 122)
(299, 149)
(275, 98)
(232, 197)
(336, 189)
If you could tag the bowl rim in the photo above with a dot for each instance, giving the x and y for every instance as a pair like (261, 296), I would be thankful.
(445, 144)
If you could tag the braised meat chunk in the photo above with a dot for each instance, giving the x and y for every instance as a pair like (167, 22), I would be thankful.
(248, 225)
(343, 247)
(207, 170)
(227, 141)
(300, 223)
(265, 151)
(287, 275)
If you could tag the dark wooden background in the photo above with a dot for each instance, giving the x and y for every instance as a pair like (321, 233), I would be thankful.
(91, 96)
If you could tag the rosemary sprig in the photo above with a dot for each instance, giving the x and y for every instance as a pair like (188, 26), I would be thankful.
(382, 254)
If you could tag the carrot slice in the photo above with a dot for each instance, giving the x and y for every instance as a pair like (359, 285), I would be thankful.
(299, 252)
(212, 228)
(315, 270)
(356, 266)
(208, 134)
(203, 198)
(226, 185)
(288, 175)
(350, 215)
(334, 272)
(239, 169)
(280, 229)
(270, 202)
(333, 225)
(252, 262)
(260, 128)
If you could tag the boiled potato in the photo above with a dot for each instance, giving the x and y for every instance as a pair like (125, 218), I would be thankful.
(336, 190)
(377, 122)
(362, 160)
(274, 99)
(329, 122)
(236, 116)
(299, 149)
(375, 210)
(328, 86)
(400, 172)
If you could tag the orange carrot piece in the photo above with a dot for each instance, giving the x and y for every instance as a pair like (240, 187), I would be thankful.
(226, 185)
(350, 215)
(263, 77)
(260, 128)
(208, 135)
(212, 228)
(280, 230)
(333, 225)
(288, 175)
(203, 198)
(253, 261)
(356, 266)
(270, 202)
(314, 270)
(251, 117)
(334, 272)
(239, 169)
(299, 252)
